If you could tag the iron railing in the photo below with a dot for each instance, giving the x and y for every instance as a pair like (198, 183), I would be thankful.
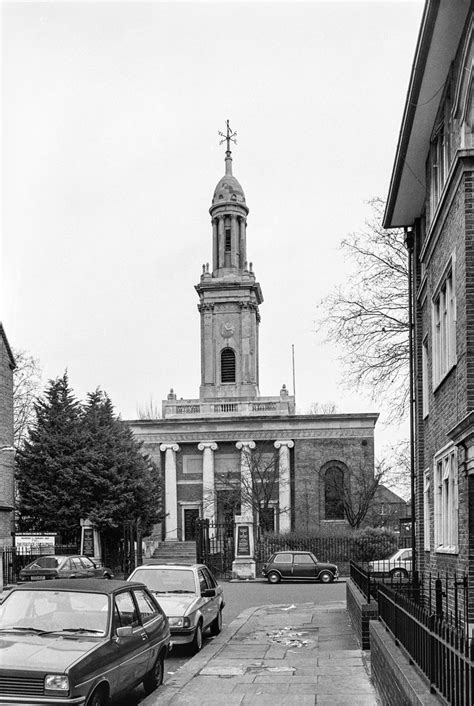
(444, 653)
(15, 558)
(215, 546)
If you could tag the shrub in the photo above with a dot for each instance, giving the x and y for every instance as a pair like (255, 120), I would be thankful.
(374, 543)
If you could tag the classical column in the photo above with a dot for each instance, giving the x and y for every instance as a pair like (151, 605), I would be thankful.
(243, 246)
(171, 496)
(208, 485)
(284, 445)
(215, 245)
(245, 448)
(234, 239)
(221, 241)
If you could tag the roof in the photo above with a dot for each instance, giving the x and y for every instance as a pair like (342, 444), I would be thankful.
(7, 346)
(228, 189)
(440, 33)
(88, 585)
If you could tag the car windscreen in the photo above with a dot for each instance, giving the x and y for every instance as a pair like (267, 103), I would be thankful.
(166, 580)
(45, 562)
(55, 611)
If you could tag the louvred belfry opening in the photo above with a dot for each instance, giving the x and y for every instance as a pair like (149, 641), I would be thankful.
(227, 365)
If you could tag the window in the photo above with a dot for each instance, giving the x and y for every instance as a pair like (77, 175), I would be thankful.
(227, 365)
(126, 612)
(147, 609)
(202, 581)
(425, 379)
(228, 240)
(446, 501)
(444, 326)
(283, 559)
(426, 510)
(303, 559)
(439, 158)
(333, 494)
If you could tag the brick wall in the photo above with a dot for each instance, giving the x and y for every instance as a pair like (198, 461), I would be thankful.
(361, 613)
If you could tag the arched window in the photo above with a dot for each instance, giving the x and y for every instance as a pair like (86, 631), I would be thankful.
(227, 365)
(334, 493)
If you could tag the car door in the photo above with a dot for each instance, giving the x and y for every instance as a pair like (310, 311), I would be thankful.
(304, 567)
(215, 601)
(207, 603)
(154, 623)
(133, 648)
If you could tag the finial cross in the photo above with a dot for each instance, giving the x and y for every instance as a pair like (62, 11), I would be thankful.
(229, 137)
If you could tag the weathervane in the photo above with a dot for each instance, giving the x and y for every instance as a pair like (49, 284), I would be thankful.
(229, 137)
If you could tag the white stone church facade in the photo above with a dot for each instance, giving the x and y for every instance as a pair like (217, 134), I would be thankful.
(203, 446)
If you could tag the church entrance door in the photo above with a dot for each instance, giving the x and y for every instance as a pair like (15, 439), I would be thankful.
(190, 516)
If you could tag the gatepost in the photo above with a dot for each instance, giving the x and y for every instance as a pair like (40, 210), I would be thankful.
(90, 541)
(243, 566)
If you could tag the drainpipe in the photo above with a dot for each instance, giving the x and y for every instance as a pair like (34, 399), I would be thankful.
(409, 244)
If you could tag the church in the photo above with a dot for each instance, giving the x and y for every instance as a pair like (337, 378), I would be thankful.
(232, 451)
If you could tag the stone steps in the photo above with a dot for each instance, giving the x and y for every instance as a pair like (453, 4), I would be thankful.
(174, 553)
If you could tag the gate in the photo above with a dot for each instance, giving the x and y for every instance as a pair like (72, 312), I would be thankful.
(215, 546)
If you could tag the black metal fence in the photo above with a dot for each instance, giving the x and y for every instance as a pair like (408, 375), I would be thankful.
(15, 558)
(444, 653)
(215, 546)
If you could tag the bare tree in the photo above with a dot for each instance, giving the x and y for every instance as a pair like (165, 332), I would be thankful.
(150, 410)
(259, 488)
(367, 316)
(26, 387)
(328, 407)
(351, 493)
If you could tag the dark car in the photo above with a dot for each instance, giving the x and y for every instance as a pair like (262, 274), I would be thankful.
(80, 642)
(298, 566)
(190, 596)
(56, 566)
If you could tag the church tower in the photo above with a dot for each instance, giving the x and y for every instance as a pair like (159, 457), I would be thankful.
(229, 297)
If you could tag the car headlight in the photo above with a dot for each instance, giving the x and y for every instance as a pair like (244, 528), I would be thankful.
(179, 622)
(56, 682)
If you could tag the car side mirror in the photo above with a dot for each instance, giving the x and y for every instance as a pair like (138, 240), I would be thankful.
(208, 593)
(126, 631)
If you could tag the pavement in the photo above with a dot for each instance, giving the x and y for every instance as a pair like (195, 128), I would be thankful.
(276, 654)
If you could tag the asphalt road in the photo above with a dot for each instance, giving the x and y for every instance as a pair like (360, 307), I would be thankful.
(242, 595)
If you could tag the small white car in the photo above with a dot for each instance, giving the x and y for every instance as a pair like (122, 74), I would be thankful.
(398, 566)
(189, 595)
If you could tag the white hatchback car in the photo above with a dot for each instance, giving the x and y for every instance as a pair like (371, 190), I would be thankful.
(189, 595)
(398, 566)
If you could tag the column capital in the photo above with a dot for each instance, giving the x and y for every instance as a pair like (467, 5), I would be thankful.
(284, 442)
(207, 445)
(169, 447)
(245, 445)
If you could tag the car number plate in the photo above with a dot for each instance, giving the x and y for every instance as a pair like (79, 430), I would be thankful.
(37, 578)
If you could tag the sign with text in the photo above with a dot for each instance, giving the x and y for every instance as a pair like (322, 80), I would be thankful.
(243, 540)
(88, 541)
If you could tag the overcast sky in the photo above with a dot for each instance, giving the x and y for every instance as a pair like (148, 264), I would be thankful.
(110, 114)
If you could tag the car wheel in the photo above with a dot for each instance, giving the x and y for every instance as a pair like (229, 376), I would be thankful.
(326, 577)
(273, 577)
(216, 625)
(196, 644)
(98, 698)
(154, 678)
(398, 574)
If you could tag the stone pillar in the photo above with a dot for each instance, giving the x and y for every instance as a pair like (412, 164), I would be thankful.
(235, 240)
(243, 246)
(243, 566)
(208, 485)
(245, 448)
(284, 445)
(171, 495)
(215, 245)
(90, 541)
(221, 241)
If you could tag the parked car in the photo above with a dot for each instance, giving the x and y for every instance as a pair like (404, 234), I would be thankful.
(56, 566)
(300, 566)
(80, 642)
(190, 596)
(398, 566)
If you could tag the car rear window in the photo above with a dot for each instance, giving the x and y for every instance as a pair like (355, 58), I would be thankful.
(45, 562)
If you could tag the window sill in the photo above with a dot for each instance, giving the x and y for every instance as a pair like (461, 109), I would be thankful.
(447, 550)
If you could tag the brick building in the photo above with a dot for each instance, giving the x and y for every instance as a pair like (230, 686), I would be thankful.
(211, 449)
(7, 364)
(431, 195)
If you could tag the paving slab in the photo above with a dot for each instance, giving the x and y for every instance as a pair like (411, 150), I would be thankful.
(299, 654)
